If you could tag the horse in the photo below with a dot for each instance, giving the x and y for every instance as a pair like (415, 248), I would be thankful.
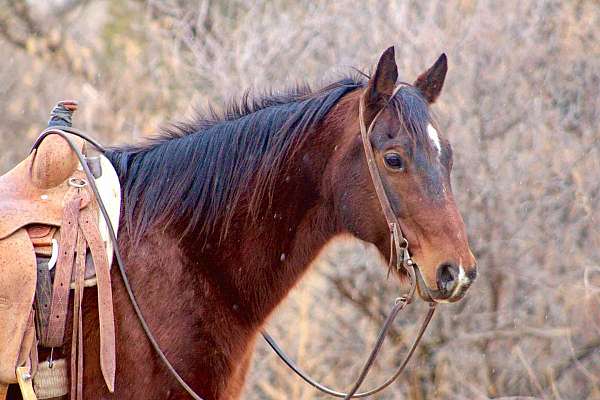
(223, 214)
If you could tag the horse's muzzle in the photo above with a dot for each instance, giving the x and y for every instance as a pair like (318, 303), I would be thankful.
(452, 284)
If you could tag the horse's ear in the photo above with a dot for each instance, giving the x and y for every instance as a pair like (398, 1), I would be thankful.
(381, 85)
(431, 81)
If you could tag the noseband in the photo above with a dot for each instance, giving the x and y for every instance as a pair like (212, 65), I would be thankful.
(399, 258)
(398, 252)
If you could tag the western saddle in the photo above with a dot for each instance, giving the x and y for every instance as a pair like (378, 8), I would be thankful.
(54, 242)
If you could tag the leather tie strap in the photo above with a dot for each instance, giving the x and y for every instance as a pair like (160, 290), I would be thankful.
(64, 267)
(88, 225)
(80, 228)
(77, 338)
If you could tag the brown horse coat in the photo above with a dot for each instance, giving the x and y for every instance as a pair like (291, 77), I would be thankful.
(222, 217)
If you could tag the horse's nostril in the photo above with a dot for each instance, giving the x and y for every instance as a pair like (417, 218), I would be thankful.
(472, 274)
(447, 277)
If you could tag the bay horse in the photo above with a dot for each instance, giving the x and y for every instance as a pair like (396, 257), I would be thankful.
(222, 216)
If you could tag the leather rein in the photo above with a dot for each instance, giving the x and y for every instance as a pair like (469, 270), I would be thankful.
(398, 251)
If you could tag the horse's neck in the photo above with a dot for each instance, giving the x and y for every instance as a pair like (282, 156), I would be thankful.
(222, 291)
(286, 258)
(258, 264)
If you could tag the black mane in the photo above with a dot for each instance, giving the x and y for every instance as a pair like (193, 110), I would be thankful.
(197, 171)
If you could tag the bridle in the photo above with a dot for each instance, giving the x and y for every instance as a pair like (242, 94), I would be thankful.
(399, 258)
(398, 248)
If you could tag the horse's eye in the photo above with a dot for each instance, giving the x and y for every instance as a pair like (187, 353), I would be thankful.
(394, 161)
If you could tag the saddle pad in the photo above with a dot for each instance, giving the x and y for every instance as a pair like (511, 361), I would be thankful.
(17, 288)
(109, 188)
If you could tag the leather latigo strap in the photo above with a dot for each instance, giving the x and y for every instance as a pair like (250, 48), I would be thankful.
(64, 266)
(113, 237)
(43, 297)
(89, 228)
(77, 341)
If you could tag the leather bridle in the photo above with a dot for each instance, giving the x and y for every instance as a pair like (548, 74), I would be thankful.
(399, 258)
(398, 251)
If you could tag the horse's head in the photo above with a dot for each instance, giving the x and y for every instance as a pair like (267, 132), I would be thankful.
(414, 160)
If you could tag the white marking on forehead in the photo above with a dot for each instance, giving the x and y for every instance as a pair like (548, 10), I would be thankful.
(435, 138)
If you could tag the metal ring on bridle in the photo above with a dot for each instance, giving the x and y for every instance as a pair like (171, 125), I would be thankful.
(403, 243)
(401, 299)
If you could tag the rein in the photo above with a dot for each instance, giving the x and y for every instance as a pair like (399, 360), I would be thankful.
(398, 248)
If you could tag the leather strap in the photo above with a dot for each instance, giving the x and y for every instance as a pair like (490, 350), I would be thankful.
(77, 338)
(89, 228)
(27, 343)
(33, 355)
(398, 242)
(365, 134)
(64, 267)
(353, 392)
(43, 297)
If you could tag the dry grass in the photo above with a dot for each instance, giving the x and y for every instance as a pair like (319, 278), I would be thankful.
(521, 108)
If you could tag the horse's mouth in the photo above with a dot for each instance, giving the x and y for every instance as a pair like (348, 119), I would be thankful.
(440, 296)
(459, 292)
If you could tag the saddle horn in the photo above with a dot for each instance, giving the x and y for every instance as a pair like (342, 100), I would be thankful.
(54, 162)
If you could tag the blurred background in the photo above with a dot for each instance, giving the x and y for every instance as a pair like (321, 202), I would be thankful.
(521, 106)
